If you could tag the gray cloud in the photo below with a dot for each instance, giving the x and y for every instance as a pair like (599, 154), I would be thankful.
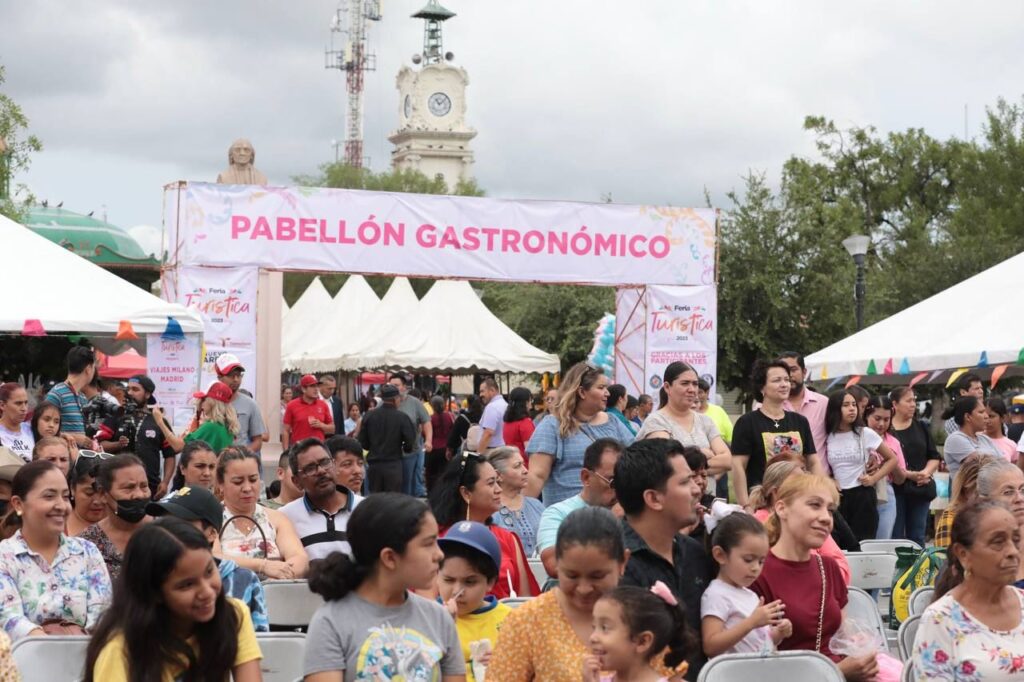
(649, 101)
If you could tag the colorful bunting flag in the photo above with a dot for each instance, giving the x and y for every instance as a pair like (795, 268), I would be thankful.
(918, 379)
(33, 328)
(853, 380)
(824, 372)
(888, 367)
(934, 376)
(871, 369)
(904, 367)
(834, 382)
(955, 375)
(997, 374)
(125, 332)
(1020, 357)
(983, 360)
(173, 332)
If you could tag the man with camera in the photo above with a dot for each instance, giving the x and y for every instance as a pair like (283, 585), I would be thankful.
(141, 429)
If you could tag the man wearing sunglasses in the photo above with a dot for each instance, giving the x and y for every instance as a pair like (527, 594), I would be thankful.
(320, 516)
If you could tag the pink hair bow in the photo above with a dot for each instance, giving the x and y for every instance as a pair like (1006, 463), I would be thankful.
(661, 590)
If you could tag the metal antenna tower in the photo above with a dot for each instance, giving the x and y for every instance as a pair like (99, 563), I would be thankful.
(350, 20)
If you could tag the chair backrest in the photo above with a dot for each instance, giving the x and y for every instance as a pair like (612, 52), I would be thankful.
(283, 654)
(792, 666)
(515, 602)
(886, 545)
(538, 570)
(871, 570)
(908, 672)
(905, 639)
(863, 607)
(290, 604)
(920, 600)
(51, 658)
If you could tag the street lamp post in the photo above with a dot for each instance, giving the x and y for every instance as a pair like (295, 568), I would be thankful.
(857, 246)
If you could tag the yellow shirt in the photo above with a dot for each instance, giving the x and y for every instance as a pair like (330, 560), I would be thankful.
(112, 664)
(476, 626)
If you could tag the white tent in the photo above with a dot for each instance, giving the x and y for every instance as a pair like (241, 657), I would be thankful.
(334, 333)
(949, 330)
(454, 331)
(304, 319)
(371, 338)
(79, 297)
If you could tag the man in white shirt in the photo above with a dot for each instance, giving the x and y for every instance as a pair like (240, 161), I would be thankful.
(493, 420)
(321, 515)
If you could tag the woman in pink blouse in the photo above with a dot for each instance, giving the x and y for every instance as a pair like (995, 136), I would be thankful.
(50, 583)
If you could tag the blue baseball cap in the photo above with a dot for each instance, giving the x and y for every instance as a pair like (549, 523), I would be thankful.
(475, 535)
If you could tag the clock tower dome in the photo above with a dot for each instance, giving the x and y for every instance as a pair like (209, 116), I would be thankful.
(432, 135)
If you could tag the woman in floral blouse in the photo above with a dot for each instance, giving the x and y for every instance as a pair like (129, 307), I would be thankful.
(975, 630)
(47, 577)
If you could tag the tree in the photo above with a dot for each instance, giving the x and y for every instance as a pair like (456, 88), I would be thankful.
(15, 154)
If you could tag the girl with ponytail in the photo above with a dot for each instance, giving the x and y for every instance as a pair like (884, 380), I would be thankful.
(632, 626)
(372, 624)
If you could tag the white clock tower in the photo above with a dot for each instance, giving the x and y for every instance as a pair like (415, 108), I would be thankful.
(432, 135)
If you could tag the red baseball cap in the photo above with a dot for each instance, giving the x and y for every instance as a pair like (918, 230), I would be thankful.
(217, 390)
(308, 380)
(227, 363)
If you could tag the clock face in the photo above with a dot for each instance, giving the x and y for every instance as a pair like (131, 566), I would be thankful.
(408, 106)
(439, 104)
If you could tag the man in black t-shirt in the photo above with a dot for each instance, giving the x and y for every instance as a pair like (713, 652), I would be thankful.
(141, 429)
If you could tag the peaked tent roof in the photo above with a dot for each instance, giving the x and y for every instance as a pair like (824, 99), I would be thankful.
(95, 305)
(335, 331)
(372, 337)
(949, 330)
(304, 318)
(454, 331)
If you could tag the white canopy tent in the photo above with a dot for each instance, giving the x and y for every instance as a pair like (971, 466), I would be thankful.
(952, 329)
(83, 297)
(454, 331)
(334, 332)
(371, 337)
(304, 319)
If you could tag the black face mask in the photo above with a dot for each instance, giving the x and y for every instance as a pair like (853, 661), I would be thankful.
(131, 511)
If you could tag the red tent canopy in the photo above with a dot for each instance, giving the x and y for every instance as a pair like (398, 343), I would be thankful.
(123, 366)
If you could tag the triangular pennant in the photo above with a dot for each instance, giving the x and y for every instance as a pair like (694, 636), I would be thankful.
(997, 374)
(1020, 357)
(955, 375)
(824, 372)
(871, 369)
(853, 380)
(904, 367)
(33, 328)
(75, 338)
(125, 332)
(917, 379)
(983, 360)
(934, 376)
(834, 382)
(888, 367)
(173, 332)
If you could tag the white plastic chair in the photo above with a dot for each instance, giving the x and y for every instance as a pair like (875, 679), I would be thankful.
(515, 602)
(539, 573)
(871, 570)
(50, 658)
(908, 672)
(908, 631)
(863, 607)
(886, 545)
(920, 599)
(283, 653)
(792, 666)
(290, 604)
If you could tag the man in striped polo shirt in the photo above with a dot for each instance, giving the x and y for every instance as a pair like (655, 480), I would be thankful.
(320, 516)
(68, 394)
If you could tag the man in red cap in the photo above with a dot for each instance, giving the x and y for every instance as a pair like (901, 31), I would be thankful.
(307, 416)
(253, 431)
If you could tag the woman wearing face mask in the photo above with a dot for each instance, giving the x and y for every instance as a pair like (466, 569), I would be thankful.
(122, 485)
(49, 583)
(87, 506)
(15, 432)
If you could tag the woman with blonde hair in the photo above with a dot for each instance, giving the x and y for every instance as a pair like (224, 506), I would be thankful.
(965, 491)
(810, 585)
(763, 497)
(219, 425)
(579, 418)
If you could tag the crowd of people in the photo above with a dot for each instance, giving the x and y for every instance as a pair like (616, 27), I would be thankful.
(414, 516)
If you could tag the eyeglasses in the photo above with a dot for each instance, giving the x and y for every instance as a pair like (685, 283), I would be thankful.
(327, 464)
(1010, 493)
(86, 463)
(609, 481)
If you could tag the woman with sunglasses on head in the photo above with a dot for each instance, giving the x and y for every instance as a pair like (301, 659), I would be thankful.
(50, 583)
(124, 489)
(579, 418)
(87, 505)
(469, 491)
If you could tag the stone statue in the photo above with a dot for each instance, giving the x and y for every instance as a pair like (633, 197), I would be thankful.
(241, 171)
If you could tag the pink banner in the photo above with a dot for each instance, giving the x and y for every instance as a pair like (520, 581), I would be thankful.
(447, 236)
(682, 325)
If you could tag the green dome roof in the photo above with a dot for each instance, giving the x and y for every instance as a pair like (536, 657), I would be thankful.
(91, 238)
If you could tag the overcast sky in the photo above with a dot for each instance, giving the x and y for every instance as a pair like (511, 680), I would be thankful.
(650, 101)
